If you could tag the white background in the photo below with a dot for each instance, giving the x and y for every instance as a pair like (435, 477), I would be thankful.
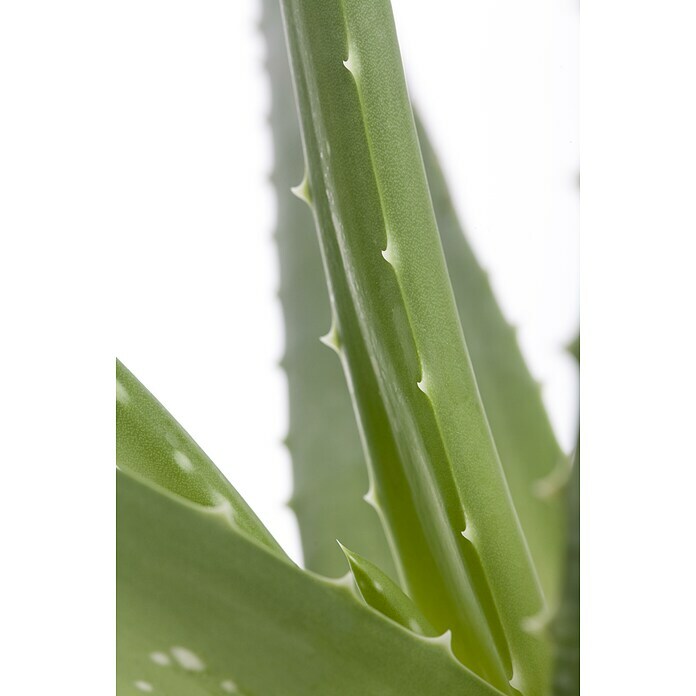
(137, 222)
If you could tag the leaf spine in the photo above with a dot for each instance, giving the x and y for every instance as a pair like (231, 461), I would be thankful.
(302, 190)
(351, 62)
(332, 338)
(442, 641)
(423, 383)
(371, 497)
(470, 533)
(389, 255)
(346, 583)
(516, 681)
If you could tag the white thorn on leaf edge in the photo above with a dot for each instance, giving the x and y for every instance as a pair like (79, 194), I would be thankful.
(371, 497)
(388, 254)
(516, 681)
(302, 191)
(469, 533)
(345, 581)
(351, 63)
(444, 640)
(332, 339)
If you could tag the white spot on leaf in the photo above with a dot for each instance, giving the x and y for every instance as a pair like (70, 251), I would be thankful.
(144, 686)
(122, 394)
(183, 461)
(187, 659)
(160, 658)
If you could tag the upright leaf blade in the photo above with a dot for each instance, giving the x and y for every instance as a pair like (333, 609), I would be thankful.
(329, 472)
(433, 461)
(565, 627)
(320, 414)
(523, 435)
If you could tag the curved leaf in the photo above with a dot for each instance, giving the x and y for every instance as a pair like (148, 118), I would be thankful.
(206, 606)
(152, 445)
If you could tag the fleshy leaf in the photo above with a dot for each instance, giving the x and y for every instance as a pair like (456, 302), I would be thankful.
(565, 627)
(152, 445)
(523, 436)
(384, 595)
(436, 476)
(329, 471)
(207, 607)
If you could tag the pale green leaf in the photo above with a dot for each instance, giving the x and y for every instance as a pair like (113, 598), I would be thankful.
(523, 436)
(206, 606)
(329, 472)
(435, 470)
(151, 444)
(565, 627)
(384, 595)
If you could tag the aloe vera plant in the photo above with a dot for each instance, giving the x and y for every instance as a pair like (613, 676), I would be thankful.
(419, 441)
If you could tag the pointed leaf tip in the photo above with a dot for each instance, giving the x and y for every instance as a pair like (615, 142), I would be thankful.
(381, 593)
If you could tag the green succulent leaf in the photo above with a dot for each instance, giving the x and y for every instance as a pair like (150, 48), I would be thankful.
(207, 606)
(153, 446)
(565, 627)
(331, 478)
(384, 595)
(523, 435)
(329, 472)
(436, 477)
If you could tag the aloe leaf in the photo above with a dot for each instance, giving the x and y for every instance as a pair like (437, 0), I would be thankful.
(384, 595)
(320, 412)
(152, 445)
(523, 435)
(436, 475)
(565, 627)
(206, 606)
(329, 472)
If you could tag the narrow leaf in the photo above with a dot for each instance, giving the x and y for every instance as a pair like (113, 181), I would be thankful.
(523, 435)
(565, 627)
(435, 469)
(329, 471)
